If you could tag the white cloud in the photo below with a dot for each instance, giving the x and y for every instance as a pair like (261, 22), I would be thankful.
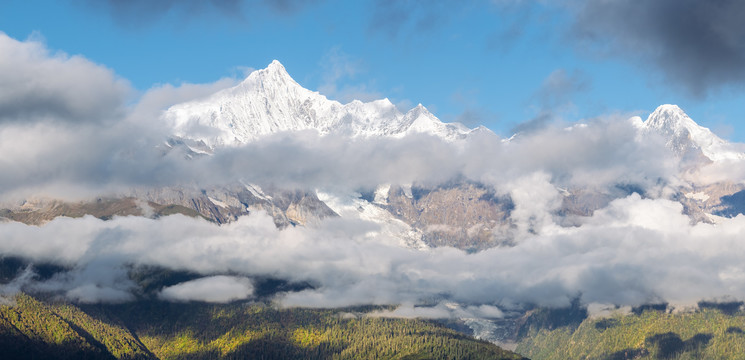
(90, 293)
(338, 69)
(148, 109)
(214, 289)
(441, 310)
(38, 84)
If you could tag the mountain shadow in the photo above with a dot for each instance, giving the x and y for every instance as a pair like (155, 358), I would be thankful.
(669, 345)
(733, 205)
(727, 308)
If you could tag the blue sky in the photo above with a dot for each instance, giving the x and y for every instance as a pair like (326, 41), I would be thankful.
(504, 64)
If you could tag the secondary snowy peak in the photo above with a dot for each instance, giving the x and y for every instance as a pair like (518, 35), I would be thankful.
(269, 101)
(684, 135)
(419, 119)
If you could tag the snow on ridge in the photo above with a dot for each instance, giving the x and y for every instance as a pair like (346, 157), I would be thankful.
(270, 101)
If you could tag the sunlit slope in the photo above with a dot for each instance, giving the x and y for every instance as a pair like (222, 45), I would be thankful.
(31, 328)
(705, 334)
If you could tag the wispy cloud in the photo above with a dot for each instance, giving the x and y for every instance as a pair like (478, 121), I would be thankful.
(339, 70)
(560, 86)
(554, 97)
(137, 13)
(473, 114)
(394, 18)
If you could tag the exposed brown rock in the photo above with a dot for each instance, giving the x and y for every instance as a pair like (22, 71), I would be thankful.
(701, 200)
(221, 205)
(40, 212)
(464, 215)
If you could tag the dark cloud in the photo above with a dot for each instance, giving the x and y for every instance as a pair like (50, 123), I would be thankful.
(697, 45)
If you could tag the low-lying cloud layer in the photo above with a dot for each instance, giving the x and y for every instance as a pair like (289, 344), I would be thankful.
(635, 250)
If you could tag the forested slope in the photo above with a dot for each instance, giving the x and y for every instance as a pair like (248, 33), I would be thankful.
(31, 328)
(712, 332)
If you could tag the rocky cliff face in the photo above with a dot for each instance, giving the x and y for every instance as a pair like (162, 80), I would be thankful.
(218, 204)
(38, 212)
(464, 215)
(719, 199)
(225, 204)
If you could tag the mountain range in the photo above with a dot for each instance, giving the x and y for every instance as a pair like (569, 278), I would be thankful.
(470, 213)
(462, 212)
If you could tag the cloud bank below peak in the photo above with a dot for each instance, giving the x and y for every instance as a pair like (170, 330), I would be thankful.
(348, 264)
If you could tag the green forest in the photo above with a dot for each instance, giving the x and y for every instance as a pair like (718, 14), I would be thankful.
(44, 328)
(31, 328)
(714, 331)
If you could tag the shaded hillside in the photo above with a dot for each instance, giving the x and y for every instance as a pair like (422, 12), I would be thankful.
(31, 329)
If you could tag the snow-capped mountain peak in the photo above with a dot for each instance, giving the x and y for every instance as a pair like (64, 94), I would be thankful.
(683, 135)
(275, 73)
(669, 116)
(269, 101)
(276, 66)
(670, 119)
